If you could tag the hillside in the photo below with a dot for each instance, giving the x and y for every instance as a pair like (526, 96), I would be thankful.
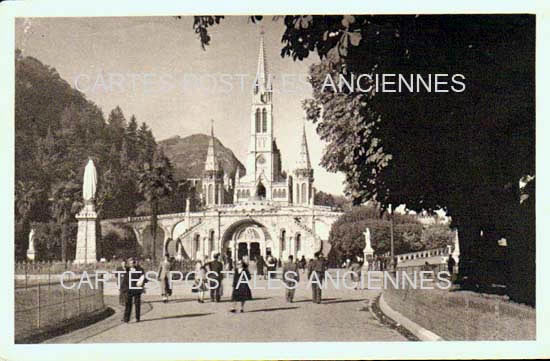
(189, 154)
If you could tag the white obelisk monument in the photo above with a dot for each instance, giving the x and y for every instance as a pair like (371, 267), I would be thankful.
(86, 237)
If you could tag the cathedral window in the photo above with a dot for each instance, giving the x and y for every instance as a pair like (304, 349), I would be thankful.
(258, 121)
(283, 240)
(197, 245)
(210, 198)
(298, 242)
(264, 120)
(211, 241)
(283, 193)
(304, 194)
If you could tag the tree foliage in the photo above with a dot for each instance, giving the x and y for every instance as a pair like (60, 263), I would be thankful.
(346, 234)
(56, 130)
(465, 152)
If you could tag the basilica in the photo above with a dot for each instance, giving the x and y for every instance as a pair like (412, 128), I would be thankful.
(264, 179)
(266, 211)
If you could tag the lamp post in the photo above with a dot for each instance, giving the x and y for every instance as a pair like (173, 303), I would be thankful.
(391, 238)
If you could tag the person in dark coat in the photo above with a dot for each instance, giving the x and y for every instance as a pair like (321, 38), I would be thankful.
(229, 262)
(122, 291)
(215, 277)
(303, 263)
(241, 291)
(291, 277)
(271, 266)
(260, 265)
(316, 275)
(134, 279)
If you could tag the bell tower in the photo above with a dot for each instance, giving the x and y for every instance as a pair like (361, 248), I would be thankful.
(260, 160)
(212, 181)
(303, 175)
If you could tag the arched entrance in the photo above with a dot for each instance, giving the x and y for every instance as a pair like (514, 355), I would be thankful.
(260, 190)
(246, 238)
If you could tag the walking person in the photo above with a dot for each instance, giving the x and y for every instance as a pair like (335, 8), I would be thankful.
(316, 275)
(355, 268)
(291, 277)
(241, 290)
(134, 279)
(164, 277)
(303, 263)
(122, 291)
(451, 263)
(199, 285)
(229, 262)
(271, 266)
(215, 277)
(260, 265)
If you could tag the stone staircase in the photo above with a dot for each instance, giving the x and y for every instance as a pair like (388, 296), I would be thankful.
(191, 229)
(321, 245)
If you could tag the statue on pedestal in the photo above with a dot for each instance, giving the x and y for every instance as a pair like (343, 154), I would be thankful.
(456, 249)
(30, 250)
(368, 252)
(86, 238)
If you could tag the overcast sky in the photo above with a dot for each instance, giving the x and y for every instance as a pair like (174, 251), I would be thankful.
(149, 66)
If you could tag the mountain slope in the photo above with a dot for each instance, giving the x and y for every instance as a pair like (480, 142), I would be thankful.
(189, 154)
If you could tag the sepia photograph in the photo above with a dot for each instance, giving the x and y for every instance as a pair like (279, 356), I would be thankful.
(243, 179)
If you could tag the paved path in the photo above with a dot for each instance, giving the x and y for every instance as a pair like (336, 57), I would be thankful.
(343, 316)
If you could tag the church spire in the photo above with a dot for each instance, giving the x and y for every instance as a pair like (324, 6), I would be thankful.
(304, 161)
(262, 77)
(211, 159)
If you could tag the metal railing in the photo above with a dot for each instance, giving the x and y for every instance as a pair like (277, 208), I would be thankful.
(48, 304)
(25, 272)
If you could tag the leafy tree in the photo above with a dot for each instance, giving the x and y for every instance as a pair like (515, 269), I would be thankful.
(440, 150)
(437, 236)
(346, 234)
(155, 182)
(465, 152)
(56, 130)
(27, 196)
(64, 208)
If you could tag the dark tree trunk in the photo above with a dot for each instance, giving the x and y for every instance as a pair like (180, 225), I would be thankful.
(64, 236)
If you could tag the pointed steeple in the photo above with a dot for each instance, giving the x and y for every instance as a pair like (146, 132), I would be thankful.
(211, 163)
(303, 160)
(262, 77)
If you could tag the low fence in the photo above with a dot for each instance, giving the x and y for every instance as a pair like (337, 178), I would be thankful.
(436, 252)
(458, 315)
(42, 306)
(437, 267)
(29, 273)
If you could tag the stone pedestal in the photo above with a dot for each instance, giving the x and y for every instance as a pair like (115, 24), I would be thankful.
(368, 252)
(86, 238)
(31, 254)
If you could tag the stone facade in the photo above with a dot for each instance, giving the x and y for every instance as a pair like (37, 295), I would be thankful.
(259, 227)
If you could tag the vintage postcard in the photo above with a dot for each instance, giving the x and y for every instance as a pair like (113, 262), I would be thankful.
(240, 185)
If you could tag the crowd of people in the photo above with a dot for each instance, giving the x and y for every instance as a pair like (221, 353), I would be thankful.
(208, 276)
